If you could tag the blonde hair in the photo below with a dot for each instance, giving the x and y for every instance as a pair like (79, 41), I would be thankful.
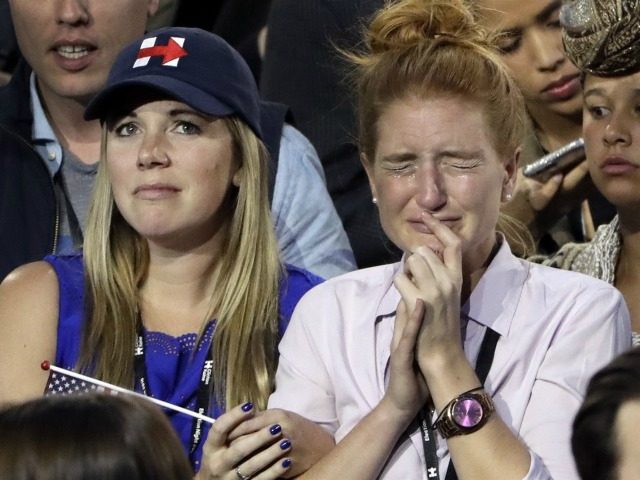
(244, 303)
(437, 48)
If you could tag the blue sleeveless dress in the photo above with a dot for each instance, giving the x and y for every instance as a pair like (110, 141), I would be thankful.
(173, 368)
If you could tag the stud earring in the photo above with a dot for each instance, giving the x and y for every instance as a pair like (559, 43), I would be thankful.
(374, 200)
(508, 197)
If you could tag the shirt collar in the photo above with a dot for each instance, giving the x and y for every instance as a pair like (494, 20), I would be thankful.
(495, 298)
(42, 134)
(493, 301)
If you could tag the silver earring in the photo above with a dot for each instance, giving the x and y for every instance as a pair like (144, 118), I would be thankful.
(508, 197)
(374, 200)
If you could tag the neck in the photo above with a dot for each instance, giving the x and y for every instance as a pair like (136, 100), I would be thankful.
(65, 115)
(554, 130)
(176, 294)
(473, 270)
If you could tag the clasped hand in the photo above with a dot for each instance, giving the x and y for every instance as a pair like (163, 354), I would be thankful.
(427, 326)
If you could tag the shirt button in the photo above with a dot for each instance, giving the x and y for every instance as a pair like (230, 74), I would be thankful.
(52, 155)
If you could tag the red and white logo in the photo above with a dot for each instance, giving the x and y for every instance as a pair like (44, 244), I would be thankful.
(170, 53)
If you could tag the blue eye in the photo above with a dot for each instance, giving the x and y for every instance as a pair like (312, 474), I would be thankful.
(126, 129)
(187, 128)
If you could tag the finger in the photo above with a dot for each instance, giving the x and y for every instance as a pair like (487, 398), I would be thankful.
(228, 421)
(542, 194)
(407, 289)
(398, 326)
(277, 470)
(268, 462)
(451, 256)
(259, 421)
(244, 448)
(577, 176)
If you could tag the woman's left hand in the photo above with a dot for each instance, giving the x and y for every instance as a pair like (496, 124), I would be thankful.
(260, 455)
(436, 278)
(309, 441)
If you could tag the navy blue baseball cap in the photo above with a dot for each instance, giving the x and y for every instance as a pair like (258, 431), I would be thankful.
(188, 64)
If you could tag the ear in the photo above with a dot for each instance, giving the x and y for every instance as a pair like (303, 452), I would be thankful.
(510, 173)
(368, 167)
(237, 177)
(152, 7)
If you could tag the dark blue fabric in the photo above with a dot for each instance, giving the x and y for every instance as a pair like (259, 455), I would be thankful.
(173, 373)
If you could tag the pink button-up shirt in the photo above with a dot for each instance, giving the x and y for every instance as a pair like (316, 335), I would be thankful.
(556, 329)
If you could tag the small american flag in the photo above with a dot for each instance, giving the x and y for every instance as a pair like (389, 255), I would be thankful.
(61, 384)
(66, 382)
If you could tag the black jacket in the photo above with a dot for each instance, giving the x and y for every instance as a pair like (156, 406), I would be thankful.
(28, 212)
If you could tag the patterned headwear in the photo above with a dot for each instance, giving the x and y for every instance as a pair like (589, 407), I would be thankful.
(602, 37)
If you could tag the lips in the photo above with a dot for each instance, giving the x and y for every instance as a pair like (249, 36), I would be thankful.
(564, 88)
(155, 191)
(73, 55)
(615, 165)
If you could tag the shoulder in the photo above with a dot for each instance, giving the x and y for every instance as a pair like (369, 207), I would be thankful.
(353, 291)
(560, 289)
(33, 279)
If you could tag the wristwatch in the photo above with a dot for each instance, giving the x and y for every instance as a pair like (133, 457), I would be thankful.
(465, 414)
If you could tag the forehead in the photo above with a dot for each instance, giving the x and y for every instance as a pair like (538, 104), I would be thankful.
(509, 14)
(432, 123)
(626, 86)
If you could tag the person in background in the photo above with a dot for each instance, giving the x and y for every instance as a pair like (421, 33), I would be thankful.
(89, 437)
(604, 42)
(604, 439)
(303, 69)
(531, 45)
(49, 153)
(446, 363)
(180, 292)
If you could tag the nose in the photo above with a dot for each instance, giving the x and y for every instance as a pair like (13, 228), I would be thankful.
(431, 194)
(153, 152)
(73, 12)
(546, 49)
(617, 132)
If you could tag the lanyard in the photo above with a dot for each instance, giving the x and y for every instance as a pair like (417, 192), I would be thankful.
(204, 388)
(483, 365)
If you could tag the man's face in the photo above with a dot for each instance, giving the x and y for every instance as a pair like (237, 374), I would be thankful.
(71, 44)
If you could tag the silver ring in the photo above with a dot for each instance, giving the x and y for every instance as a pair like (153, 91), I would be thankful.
(241, 476)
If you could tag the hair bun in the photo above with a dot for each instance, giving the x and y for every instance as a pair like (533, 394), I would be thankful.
(409, 23)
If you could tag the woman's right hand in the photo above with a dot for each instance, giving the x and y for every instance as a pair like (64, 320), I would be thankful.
(539, 205)
(260, 455)
(407, 391)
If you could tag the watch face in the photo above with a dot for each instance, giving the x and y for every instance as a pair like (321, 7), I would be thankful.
(467, 412)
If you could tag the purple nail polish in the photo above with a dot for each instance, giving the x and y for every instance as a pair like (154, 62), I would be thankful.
(247, 407)
(286, 463)
(285, 444)
(275, 429)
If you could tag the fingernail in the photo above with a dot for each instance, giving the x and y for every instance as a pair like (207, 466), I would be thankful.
(247, 407)
(286, 463)
(275, 429)
(285, 444)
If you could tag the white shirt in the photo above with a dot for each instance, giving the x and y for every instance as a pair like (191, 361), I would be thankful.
(557, 328)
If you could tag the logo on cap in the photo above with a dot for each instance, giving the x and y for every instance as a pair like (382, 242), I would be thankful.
(170, 53)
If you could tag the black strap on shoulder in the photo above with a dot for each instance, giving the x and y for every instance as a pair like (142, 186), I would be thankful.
(272, 119)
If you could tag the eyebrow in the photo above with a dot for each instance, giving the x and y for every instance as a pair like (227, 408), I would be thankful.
(598, 92)
(540, 17)
(546, 12)
(399, 157)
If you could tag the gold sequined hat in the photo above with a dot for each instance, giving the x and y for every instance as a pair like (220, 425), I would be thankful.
(602, 37)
